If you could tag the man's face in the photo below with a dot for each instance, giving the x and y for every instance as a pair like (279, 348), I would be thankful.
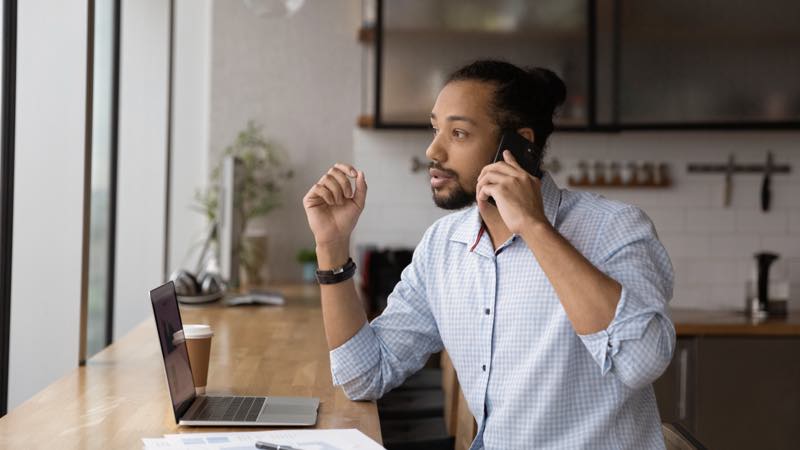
(464, 141)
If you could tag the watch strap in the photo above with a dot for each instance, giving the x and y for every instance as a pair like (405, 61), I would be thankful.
(338, 274)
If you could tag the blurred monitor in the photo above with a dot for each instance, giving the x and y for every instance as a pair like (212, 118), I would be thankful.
(229, 219)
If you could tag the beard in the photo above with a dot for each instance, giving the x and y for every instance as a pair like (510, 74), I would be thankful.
(458, 198)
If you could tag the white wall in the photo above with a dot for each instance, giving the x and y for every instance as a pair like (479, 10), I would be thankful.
(48, 194)
(711, 246)
(190, 112)
(142, 148)
(299, 77)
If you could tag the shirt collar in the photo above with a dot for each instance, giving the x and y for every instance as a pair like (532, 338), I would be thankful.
(469, 230)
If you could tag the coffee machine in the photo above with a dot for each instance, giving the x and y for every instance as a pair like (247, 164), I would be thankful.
(760, 301)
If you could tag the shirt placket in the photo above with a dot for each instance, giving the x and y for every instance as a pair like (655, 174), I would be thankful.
(489, 260)
(487, 329)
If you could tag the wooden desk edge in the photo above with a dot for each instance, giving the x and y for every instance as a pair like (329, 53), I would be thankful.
(16, 427)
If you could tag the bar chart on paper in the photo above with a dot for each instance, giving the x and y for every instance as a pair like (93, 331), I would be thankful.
(346, 439)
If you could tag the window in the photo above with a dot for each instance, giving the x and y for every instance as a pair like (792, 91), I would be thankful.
(8, 30)
(105, 63)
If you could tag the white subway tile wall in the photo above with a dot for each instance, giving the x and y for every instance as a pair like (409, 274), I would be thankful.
(708, 220)
(711, 246)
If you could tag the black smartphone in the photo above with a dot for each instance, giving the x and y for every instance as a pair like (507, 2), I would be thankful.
(527, 154)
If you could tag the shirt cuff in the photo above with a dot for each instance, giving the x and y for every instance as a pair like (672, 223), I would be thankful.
(605, 344)
(355, 357)
(600, 347)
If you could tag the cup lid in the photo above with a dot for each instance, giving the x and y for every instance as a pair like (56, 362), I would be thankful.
(197, 331)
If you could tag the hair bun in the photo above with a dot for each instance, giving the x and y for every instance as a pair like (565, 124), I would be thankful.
(553, 84)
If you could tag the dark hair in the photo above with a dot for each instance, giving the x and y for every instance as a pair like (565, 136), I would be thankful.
(523, 98)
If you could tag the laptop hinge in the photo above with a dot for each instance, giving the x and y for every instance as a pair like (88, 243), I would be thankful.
(191, 412)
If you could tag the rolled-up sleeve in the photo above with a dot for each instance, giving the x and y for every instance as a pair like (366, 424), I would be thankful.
(383, 353)
(637, 345)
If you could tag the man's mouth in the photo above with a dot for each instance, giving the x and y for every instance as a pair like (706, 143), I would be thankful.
(439, 178)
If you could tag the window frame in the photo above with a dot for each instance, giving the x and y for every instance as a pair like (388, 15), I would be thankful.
(8, 117)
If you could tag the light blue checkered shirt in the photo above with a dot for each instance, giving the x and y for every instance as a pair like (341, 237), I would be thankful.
(530, 380)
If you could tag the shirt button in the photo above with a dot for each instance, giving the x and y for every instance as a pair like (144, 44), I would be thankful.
(487, 311)
(483, 367)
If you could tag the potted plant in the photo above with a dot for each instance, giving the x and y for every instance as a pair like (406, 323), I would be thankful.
(264, 171)
(308, 260)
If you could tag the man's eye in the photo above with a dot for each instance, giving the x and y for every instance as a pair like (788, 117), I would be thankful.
(460, 134)
(435, 131)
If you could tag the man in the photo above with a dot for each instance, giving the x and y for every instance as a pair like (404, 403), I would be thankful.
(551, 305)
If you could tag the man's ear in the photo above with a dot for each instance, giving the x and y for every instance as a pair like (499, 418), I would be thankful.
(527, 133)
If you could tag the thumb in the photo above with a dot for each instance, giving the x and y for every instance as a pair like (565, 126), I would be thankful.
(360, 196)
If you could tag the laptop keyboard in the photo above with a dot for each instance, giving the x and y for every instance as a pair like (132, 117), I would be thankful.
(229, 409)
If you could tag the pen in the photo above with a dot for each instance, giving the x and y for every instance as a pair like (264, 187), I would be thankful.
(268, 446)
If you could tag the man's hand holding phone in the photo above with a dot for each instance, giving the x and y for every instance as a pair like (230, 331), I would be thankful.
(517, 193)
(332, 208)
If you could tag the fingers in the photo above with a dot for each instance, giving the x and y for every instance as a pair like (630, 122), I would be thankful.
(330, 182)
(496, 180)
(500, 174)
(486, 191)
(340, 177)
(512, 161)
(360, 196)
(509, 158)
(502, 179)
(319, 195)
(510, 167)
(490, 178)
(346, 169)
(335, 188)
(502, 167)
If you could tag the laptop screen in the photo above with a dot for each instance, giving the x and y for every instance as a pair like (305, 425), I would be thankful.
(173, 348)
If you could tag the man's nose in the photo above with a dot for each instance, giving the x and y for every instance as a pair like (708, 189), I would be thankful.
(435, 152)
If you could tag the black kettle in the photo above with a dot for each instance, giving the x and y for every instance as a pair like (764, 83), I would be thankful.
(764, 261)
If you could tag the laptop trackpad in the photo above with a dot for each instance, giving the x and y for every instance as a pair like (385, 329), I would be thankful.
(290, 410)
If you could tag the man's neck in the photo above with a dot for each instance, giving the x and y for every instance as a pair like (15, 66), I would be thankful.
(498, 231)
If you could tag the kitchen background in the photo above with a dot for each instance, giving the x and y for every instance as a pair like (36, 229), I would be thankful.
(315, 85)
(690, 87)
(174, 82)
(711, 246)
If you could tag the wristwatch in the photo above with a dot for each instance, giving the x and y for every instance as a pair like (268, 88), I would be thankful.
(338, 274)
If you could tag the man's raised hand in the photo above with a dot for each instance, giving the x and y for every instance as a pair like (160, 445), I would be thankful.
(333, 206)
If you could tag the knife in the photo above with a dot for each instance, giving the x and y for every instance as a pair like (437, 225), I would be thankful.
(728, 189)
(766, 185)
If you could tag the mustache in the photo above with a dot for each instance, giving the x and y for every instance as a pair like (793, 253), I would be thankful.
(435, 165)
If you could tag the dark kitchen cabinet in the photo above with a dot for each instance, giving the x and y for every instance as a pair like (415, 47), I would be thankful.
(675, 389)
(685, 62)
(628, 64)
(734, 392)
(421, 41)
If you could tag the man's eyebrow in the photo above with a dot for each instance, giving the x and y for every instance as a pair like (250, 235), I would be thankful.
(456, 118)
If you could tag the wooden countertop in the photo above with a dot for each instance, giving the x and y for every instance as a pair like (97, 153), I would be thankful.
(121, 396)
(691, 322)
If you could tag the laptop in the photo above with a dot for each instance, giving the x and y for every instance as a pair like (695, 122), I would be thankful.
(210, 410)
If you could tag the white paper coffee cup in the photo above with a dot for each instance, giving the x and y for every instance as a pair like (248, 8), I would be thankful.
(198, 345)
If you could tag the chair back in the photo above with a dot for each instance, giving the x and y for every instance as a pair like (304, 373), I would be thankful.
(677, 437)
